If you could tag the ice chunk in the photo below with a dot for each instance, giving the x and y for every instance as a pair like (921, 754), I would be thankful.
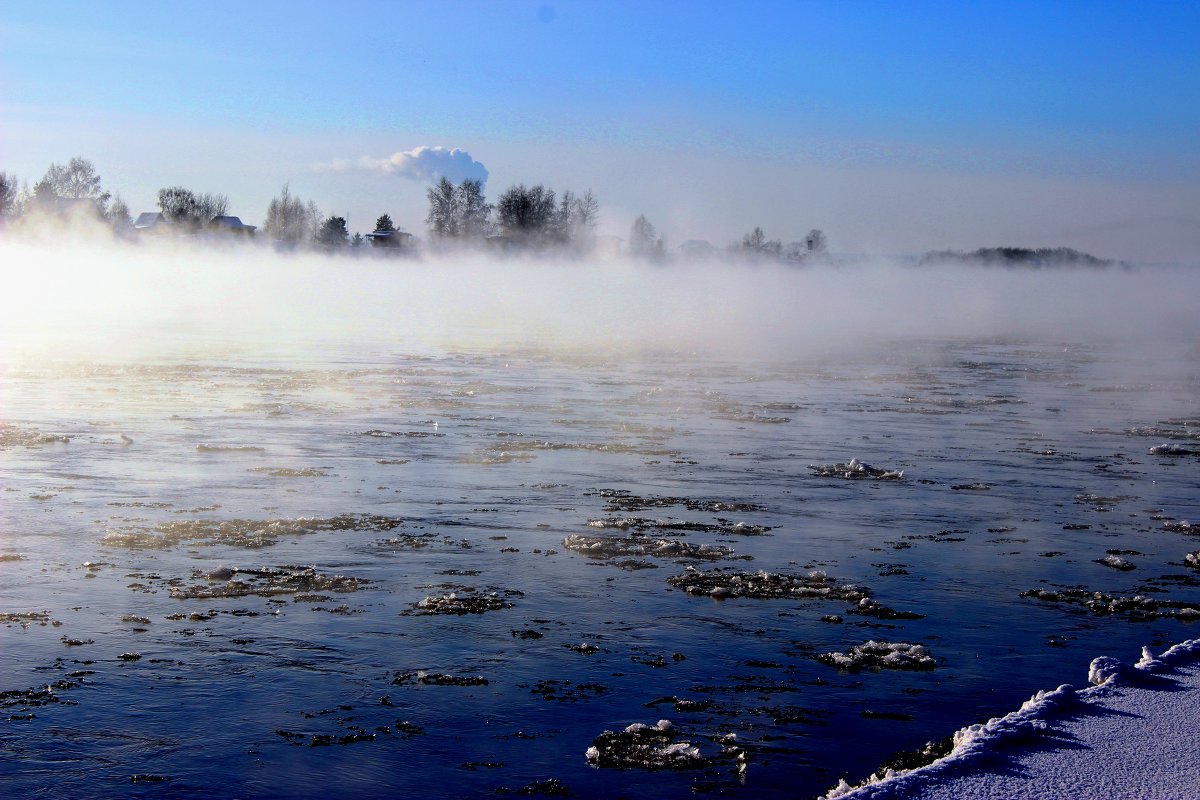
(881, 655)
(855, 470)
(1168, 449)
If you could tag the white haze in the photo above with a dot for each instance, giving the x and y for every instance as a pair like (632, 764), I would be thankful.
(105, 301)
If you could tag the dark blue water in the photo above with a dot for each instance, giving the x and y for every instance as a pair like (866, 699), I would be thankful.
(438, 473)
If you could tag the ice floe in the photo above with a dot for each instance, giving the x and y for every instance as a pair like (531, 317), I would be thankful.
(246, 533)
(270, 582)
(765, 585)
(1116, 562)
(622, 500)
(616, 546)
(645, 746)
(17, 436)
(461, 604)
(438, 679)
(873, 608)
(679, 526)
(856, 470)
(27, 618)
(1168, 449)
(881, 655)
(1102, 604)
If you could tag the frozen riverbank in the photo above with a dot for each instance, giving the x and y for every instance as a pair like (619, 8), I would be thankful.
(1131, 736)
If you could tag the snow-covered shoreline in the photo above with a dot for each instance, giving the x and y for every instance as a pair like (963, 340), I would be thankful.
(1131, 735)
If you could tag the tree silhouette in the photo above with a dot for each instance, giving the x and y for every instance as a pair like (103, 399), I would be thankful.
(290, 219)
(332, 233)
(8, 193)
(75, 180)
(644, 240)
(526, 213)
(443, 218)
(815, 242)
(473, 209)
(184, 207)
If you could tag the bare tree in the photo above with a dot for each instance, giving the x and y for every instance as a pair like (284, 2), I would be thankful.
(754, 240)
(444, 215)
(75, 180)
(756, 243)
(564, 219)
(587, 212)
(644, 240)
(475, 213)
(176, 204)
(290, 219)
(187, 209)
(211, 205)
(118, 215)
(526, 214)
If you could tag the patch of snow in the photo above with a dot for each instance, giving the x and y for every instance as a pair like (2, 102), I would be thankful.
(1136, 738)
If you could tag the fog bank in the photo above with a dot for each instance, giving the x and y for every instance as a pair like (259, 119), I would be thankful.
(91, 299)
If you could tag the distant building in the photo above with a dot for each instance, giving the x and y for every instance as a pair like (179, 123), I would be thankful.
(151, 222)
(396, 239)
(231, 225)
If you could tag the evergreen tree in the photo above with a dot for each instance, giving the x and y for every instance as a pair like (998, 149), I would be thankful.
(333, 233)
(8, 193)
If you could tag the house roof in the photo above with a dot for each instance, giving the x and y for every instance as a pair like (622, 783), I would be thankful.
(233, 223)
(148, 219)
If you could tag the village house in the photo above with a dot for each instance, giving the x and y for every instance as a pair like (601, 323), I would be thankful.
(151, 223)
(231, 225)
(396, 239)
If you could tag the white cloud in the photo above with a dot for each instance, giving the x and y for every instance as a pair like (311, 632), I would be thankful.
(423, 164)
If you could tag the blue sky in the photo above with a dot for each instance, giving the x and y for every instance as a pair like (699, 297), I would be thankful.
(893, 126)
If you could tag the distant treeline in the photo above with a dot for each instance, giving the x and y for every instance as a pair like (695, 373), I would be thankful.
(1039, 258)
(523, 219)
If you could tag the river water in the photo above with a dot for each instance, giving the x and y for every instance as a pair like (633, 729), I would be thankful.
(374, 567)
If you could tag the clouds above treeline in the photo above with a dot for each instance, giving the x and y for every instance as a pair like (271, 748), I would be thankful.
(424, 164)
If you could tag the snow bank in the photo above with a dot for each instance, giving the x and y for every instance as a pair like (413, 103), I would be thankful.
(1132, 734)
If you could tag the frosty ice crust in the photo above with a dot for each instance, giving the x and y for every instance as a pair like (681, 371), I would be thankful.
(1031, 722)
(856, 470)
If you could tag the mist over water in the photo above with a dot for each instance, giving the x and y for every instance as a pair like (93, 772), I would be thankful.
(294, 525)
(144, 298)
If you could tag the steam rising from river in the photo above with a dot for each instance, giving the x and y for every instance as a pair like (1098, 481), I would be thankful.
(100, 300)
